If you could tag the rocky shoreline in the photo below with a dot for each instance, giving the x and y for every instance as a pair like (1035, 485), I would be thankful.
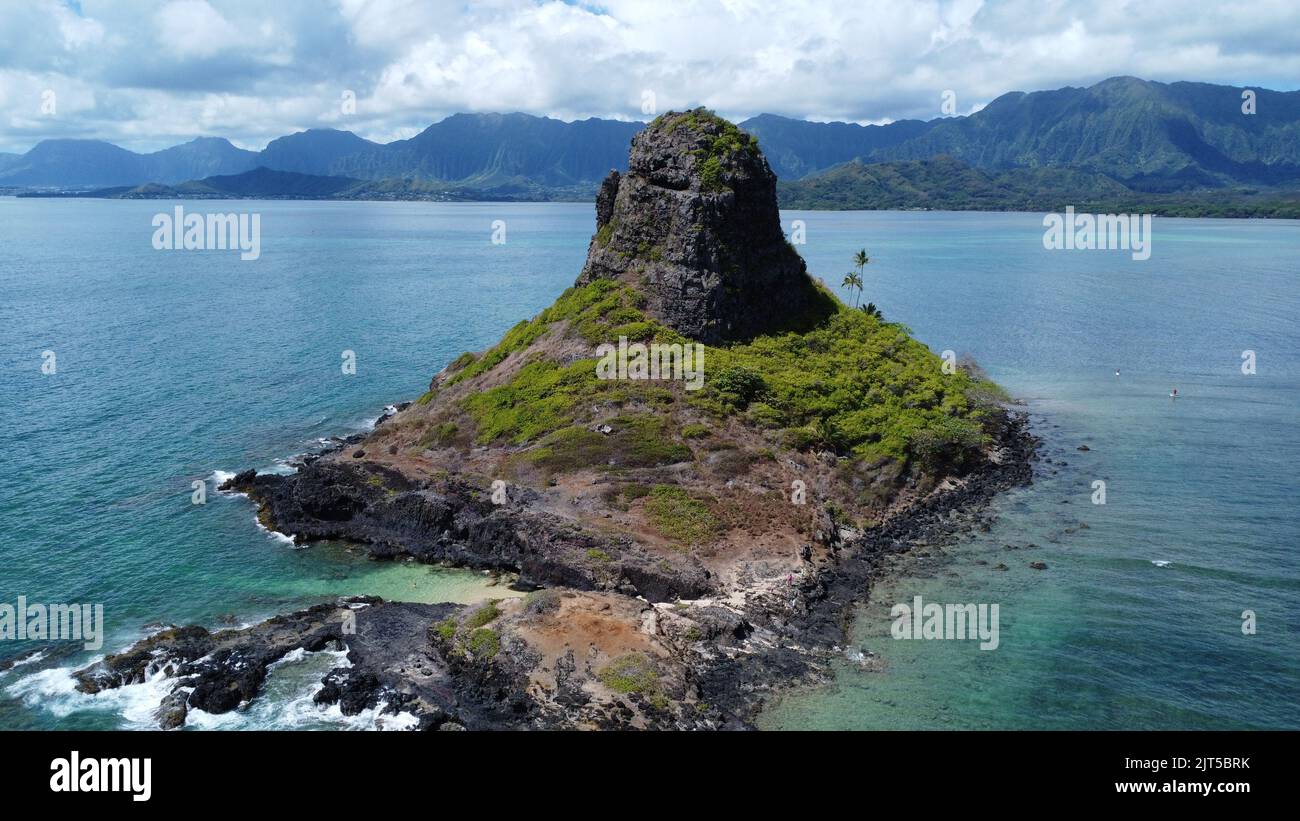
(821, 612)
(401, 660)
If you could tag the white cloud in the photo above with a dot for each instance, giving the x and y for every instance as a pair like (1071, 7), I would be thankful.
(252, 70)
(193, 28)
(77, 31)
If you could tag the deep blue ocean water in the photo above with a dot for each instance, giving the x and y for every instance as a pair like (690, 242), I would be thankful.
(175, 365)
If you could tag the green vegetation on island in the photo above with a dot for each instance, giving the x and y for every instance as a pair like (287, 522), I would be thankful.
(854, 384)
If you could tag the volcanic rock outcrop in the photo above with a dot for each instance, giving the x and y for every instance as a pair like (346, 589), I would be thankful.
(685, 549)
(694, 226)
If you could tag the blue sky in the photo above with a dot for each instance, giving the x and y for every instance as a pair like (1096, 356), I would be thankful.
(150, 74)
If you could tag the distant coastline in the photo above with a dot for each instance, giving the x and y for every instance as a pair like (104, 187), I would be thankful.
(266, 184)
(946, 184)
(942, 184)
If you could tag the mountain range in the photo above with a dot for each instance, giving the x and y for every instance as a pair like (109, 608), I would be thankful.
(1122, 138)
(478, 150)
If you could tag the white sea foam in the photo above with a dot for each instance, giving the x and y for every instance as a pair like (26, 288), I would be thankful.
(296, 654)
(1161, 562)
(282, 467)
(23, 662)
(220, 477)
(373, 718)
(286, 539)
(55, 691)
(369, 424)
(288, 701)
(401, 720)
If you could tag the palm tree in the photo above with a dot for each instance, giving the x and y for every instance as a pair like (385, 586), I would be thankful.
(851, 281)
(860, 260)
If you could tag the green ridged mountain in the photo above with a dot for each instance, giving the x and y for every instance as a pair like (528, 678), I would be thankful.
(1160, 139)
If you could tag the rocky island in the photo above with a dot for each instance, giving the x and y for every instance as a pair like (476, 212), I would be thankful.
(689, 552)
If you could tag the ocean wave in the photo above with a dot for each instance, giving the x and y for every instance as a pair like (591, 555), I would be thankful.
(289, 465)
(277, 535)
(220, 477)
(283, 467)
(54, 690)
(31, 658)
(286, 702)
(372, 423)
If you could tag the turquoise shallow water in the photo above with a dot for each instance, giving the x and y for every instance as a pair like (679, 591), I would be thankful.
(1104, 638)
(174, 365)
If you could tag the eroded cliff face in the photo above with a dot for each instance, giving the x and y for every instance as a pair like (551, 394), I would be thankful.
(694, 226)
